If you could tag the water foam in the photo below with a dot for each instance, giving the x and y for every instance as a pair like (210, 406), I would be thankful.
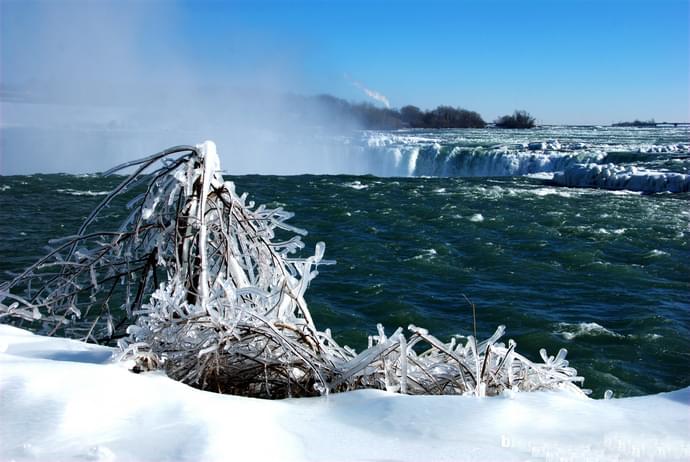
(428, 254)
(571, 331)
(542, 192)
(75, 192)
(356, 185)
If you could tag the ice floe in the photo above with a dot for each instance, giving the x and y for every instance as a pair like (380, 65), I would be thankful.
(610, 176)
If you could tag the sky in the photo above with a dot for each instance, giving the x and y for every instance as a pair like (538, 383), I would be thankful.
(564, 61)
(88, 83)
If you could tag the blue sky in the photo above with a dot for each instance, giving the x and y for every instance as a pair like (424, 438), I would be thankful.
(564, 61)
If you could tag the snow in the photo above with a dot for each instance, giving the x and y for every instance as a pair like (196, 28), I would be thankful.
(65, 400)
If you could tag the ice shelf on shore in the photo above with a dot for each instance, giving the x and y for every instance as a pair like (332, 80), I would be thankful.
(65, 400)
(612, 176)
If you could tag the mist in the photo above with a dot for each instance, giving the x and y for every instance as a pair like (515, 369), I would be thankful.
(87, 85)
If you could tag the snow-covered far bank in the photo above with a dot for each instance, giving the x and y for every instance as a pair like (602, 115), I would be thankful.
(611, 176)
(64, 400)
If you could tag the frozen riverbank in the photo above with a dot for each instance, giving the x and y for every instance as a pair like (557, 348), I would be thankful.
(63, 400)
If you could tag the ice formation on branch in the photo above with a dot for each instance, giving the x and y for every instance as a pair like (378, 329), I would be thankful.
(202, 283)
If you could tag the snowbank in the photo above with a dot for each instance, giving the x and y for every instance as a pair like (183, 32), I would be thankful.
(610, 176)
(64, 400)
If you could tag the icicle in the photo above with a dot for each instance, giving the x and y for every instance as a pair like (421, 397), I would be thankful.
(403, 364)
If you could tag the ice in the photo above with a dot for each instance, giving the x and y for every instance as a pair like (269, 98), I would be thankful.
(55, 408)
(408, 154)
(617, 177)
(498, 153)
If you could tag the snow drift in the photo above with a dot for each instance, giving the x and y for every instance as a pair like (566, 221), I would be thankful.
(67, 400)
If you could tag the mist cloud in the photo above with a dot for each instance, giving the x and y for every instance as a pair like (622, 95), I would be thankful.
(86, 85)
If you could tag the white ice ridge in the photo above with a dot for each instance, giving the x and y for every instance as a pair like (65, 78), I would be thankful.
(610, 176)
(65, 400)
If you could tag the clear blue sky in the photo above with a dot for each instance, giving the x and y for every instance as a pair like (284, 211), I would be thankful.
(564, 61)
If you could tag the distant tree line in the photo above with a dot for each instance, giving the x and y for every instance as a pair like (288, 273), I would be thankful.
(519, 119)
(636, 123)
(373, 117)
(365, 115)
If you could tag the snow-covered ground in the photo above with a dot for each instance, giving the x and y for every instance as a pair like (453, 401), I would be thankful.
(64, 400)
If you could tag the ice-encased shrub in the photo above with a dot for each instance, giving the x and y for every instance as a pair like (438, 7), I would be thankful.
(204, 284)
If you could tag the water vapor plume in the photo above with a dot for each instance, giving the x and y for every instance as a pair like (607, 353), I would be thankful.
(87, 84)
(375, 95)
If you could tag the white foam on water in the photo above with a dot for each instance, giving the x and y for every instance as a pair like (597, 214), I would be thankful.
(428, 254)
(571, 331)
(621, 192)
(541, 175)
(75, 192)
(656, 253)
(550, 192)
(356, 185)
(477, 218)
